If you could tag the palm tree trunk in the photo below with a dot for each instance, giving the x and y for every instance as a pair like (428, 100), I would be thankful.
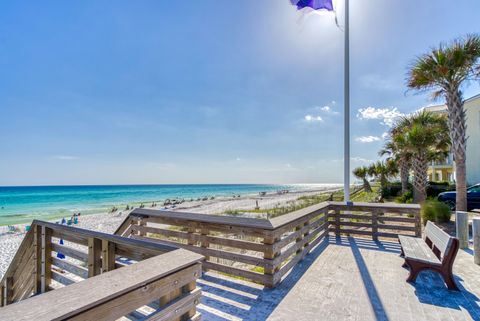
(366, 186)
(420, 179)
(458, 128)
(404, 168)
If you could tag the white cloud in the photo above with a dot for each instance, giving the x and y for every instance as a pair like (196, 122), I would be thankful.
(64, 157)
(328, 109)
(313, 119)
(360, 160)
(354, 159)
(367, 139)
(384, 135)
(386, 115)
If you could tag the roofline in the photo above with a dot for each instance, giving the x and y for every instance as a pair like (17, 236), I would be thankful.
(472, 98)
(477, 96)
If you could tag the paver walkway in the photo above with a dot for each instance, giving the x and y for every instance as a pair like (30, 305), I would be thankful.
(347, 279)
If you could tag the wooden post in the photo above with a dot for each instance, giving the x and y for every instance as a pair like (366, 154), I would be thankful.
(8, 295)
(94, 256)
(374, 225)
(191, 231)
(268, 253)
(186, 289)
(2, 294)
(461, 221)
(108, 256)
(46, 264)
(305, 235)
(298, 239)
(476, 240)
(418, 224)
(37, 259)
(337, 222)
(204, 243)
(142, 222)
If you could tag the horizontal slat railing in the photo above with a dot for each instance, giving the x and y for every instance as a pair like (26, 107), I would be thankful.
(159, 288)
(265, 250)
(257, 249)
(53, 257)
(375, 220)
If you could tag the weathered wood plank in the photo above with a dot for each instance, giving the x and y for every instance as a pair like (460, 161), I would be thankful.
(71, 268)
(396, 227)
(62, 278)
(277, 246)
(181, 217)
(71, 252)
(178, 307)
(389, 208)
(79, 297)
(246, 245)
(257, 277)
(121, 241)
(258, 261)
(356, 224)
(140, 296)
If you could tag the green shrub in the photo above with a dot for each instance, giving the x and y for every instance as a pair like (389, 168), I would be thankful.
(405, 198)
(435, 211)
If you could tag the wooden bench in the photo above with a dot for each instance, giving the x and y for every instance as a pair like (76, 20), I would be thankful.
(436, 252)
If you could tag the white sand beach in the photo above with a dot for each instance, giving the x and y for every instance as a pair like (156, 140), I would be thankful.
(108, 222)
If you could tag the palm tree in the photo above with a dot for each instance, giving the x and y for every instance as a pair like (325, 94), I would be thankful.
(445, 70)
(361, 173)
(399, 156)
(425, 136)
(382, 171)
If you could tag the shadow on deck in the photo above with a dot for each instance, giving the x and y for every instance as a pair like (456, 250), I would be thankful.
(346, 279)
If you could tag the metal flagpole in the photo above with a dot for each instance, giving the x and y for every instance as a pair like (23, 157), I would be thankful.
(346, 125)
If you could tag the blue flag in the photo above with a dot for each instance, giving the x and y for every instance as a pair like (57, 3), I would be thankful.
(314, 4)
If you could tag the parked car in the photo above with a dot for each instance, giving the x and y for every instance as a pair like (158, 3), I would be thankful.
(473, 198)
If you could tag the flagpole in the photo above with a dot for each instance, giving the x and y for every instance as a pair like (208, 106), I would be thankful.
(346, 124)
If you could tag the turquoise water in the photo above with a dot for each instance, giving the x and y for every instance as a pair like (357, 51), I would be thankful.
(21, 204)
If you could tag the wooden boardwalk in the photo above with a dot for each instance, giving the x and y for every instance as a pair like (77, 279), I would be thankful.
(350, 279)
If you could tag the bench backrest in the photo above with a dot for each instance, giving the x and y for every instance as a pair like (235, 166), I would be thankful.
(441, 240)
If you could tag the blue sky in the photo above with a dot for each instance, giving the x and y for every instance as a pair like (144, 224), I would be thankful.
(107, 92)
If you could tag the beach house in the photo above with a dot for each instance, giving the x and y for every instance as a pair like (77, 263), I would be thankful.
(445, 170)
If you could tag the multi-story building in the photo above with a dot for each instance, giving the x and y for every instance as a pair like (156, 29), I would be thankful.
(445, 171)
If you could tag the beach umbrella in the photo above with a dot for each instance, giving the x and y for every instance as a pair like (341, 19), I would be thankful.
(327, 5)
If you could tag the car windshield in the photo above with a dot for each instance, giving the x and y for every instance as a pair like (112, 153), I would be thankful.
(474, 189)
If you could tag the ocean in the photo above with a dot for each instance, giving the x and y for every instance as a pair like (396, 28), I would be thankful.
(21, 204)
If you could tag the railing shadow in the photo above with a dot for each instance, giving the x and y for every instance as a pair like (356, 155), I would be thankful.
(367, 244)
(226, 298)
(373, 296)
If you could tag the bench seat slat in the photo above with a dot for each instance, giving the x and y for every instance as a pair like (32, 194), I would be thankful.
(416, 249)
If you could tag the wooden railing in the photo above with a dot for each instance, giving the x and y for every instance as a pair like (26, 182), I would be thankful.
(265, 250)
(43, 263)
(375, 219)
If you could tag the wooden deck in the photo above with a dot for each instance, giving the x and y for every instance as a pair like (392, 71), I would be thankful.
(350, 279)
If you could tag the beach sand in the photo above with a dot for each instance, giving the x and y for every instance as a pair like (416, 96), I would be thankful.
(108, 222)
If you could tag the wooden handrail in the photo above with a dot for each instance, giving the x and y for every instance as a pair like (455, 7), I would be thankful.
(33, 268)
(117, 293)
(264, 250)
